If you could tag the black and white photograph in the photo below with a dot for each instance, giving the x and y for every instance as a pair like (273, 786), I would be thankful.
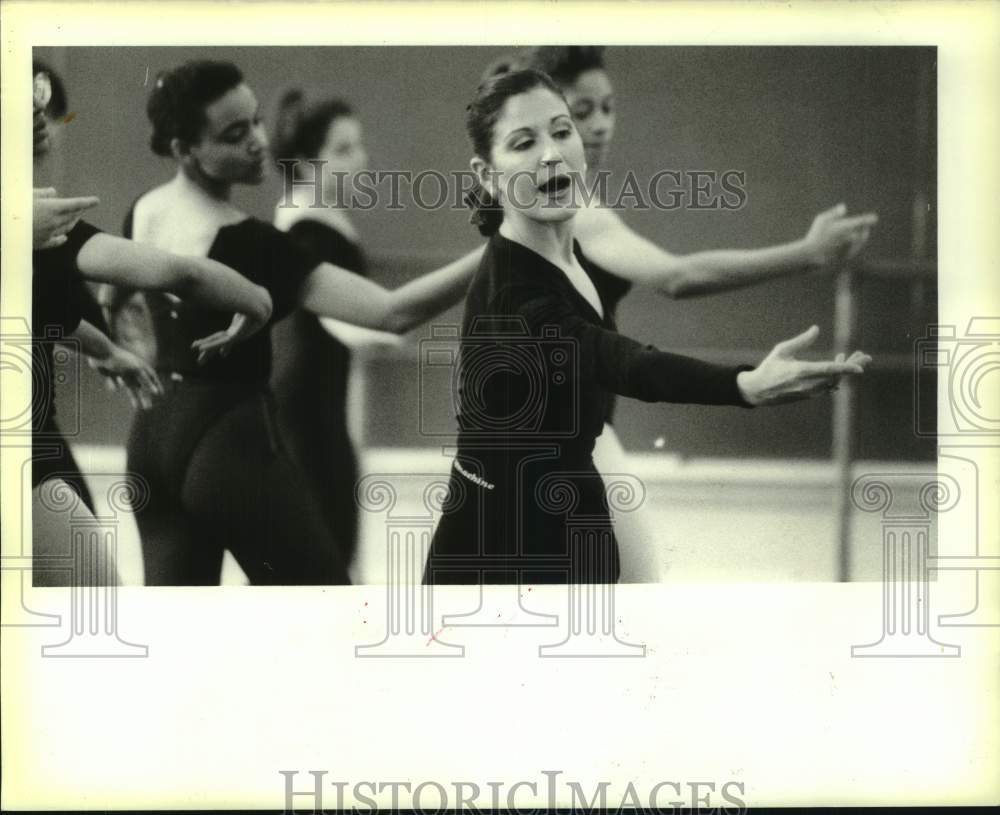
(748, 208)
(371, 388)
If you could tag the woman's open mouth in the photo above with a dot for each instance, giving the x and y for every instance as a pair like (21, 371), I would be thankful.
(555, 185)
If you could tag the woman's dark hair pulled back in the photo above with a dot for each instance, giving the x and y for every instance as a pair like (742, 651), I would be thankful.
(481, 116)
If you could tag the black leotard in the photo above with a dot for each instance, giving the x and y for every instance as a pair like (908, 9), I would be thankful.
(538, 368)
(310, 378)
(210, 452)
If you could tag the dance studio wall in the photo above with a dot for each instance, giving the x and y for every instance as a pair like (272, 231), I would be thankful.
(809, 126)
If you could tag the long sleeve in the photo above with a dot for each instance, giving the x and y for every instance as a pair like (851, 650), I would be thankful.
(623, 366)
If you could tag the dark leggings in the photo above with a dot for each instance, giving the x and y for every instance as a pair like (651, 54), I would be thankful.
(322, 449)
(310, 381)
(230, 486)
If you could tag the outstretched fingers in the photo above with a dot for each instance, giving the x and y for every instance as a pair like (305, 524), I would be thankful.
(830, 368)
(836, 211)
(53, 242)
(865, 220)
(149, 381)
(790, 347)
(214, 345)
(75, 205)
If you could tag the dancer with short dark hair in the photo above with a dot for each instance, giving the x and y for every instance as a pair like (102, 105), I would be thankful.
(61, 301)
(221, 478)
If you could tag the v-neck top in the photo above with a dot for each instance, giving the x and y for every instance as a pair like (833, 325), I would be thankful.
(261, 253)
(538, 362)
(537, 369)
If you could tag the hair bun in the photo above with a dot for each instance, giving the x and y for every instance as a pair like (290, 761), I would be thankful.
(487, 214)
(162, 111)
(302, 122)
(291, 99)
(564, 63)
(501, 65)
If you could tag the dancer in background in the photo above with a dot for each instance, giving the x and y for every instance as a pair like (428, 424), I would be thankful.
(59, 298)
(311, 375)
(622, 258)
(514, 483)
(220, 476)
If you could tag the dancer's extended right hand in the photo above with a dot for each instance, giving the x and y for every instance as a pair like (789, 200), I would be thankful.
(782, 378)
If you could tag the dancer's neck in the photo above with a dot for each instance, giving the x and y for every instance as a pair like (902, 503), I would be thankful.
(303, 206)
(194, 180)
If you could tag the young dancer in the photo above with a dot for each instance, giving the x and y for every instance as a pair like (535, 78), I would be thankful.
(67, 257)
(220, 476)
(311, 375)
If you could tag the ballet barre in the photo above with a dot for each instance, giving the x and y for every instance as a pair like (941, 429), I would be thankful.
(845, 319)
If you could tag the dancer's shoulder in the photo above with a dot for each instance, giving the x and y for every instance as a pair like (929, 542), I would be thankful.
(168, 218)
